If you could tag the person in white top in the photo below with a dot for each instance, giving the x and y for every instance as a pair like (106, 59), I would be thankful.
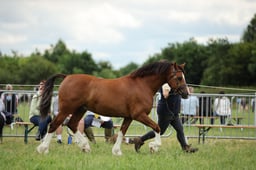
(189, 107)
(55, 111)
(10, 100)
(222, 107)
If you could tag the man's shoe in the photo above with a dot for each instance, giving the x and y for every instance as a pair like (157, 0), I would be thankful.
(189, 149)
(59, 141)
(130, 141)
(137, 143)
(38, 136)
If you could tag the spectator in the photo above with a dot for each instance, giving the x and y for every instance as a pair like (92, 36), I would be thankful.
(55, 111)
(34, 113)
(189, 107)
(244, 104)
(222, 107)
(92, 119)
(168, 109)
(253, 105)
(10, 100)
(205, 108)
(1, 92)
(5, 118)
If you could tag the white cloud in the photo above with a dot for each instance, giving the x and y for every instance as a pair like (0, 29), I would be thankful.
(11, 39)
(131, 30)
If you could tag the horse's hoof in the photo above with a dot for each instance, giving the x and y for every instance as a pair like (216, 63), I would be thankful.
(86, 150)
(116, 152)
(153, 147)
(42, 149)
(85, 147)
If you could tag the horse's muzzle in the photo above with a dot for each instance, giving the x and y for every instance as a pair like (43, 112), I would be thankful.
(183, 91)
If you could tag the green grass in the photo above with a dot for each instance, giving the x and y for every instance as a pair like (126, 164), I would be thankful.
(215, 154)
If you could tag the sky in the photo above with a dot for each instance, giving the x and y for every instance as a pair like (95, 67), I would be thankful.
(119, 31)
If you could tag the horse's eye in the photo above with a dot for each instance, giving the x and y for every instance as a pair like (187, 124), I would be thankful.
(179, 78)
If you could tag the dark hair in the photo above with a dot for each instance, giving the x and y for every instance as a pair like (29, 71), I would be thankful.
(221, 92)
(42, 81)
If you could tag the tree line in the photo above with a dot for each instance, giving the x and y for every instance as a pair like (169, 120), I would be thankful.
(218, 62)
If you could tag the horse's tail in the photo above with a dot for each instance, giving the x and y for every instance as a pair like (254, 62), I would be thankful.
(45, 102)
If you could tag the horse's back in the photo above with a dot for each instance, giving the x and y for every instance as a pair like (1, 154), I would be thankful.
(88, 86)
(73, 85)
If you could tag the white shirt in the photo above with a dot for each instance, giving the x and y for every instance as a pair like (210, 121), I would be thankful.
(1, 106)
(190, 105)
(104, 118)
(222, 106)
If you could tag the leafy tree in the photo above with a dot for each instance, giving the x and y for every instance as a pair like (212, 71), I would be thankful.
(217, 63)
(105, 73)
(9, 70)
(105, 65)
(241, 65)
(190, 53)
(128, 68)
(249, 34)
(56, 52)
(77, 63)
(34, 69)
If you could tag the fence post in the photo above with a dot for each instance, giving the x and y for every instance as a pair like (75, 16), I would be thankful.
(254, 108)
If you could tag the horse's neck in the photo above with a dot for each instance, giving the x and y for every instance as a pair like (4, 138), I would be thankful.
(154, 82)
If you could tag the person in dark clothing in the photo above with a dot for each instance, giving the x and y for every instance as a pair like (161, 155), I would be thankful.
(205, 108)
(168, 109)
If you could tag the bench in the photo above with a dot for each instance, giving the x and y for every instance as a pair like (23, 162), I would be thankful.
(203, 129)
(190, 119)
(238, 120)
(27, 129)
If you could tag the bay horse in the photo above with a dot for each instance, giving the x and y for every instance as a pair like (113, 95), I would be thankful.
(129, 97)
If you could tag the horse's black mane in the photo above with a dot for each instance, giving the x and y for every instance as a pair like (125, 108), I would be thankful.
(160, 67)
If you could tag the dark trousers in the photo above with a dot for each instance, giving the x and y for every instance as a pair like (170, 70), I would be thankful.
(223, 120)
(88, 122)
(163, 122)
(41, 123)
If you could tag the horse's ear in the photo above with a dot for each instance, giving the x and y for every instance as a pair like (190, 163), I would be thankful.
(183, 65)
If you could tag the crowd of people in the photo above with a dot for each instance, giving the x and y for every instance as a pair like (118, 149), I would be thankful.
(171, 110)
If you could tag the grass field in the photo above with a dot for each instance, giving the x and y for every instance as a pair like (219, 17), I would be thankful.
(215, 154)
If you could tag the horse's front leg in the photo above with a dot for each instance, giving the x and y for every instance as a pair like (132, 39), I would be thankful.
(153, 146)
(116, 150)
(44, 146)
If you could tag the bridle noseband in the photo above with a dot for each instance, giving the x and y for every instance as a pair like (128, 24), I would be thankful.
(174, 76)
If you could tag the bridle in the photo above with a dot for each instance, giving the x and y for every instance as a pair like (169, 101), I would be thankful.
(174, 76)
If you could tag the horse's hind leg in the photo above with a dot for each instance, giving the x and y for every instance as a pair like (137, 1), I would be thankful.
(44, 146)
(116, 150)
(73, 123)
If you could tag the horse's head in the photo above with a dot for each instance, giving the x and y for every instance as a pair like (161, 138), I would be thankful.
(176, 80)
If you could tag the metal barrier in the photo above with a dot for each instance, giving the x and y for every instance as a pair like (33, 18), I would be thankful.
(25, 96)
(241, 123)
(243, 113)
(24, 100)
